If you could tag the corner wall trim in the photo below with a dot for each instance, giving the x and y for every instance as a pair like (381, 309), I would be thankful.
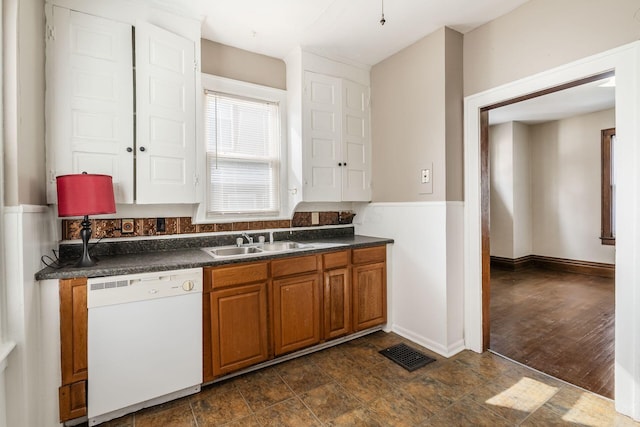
(557, 264)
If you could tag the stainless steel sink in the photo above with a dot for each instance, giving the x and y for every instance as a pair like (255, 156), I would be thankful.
(232, 251)
(242, 251)
(282, 246)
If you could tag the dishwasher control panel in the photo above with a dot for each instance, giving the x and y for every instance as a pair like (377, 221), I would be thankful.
(144, 286)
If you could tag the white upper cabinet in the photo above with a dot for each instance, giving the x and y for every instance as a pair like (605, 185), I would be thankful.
(166, 111)
(336, 143)
(356, 142)
(333, 132)
(89, 100)
(97, 123)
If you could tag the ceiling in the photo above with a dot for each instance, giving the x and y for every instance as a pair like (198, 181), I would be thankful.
(341, 29)
(587, 98)
(349, 30)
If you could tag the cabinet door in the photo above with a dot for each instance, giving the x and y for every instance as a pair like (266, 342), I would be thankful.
(89, 100)
(238, 327)
(165, 112)
(73, 330)
(337, 303)
(72, 395)
(322, 134)
(296, 313)
(369, 295)
(356, 142)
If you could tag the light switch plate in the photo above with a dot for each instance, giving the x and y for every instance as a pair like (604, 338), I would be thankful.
(426, 178)
(315, 218)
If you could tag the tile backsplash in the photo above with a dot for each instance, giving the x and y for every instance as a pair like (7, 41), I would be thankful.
(111, 228)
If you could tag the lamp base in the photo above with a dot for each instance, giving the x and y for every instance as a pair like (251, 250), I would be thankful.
(85, 235)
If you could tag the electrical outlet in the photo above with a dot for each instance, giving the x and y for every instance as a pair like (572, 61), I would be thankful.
(315, 218)
(160, 225)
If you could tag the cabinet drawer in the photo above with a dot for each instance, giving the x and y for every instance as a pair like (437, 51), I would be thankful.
(368, 255)
(297, 265)
(220, 277)
(335, 259)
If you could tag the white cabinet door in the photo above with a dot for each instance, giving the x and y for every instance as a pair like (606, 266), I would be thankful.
(356, 142)
(322, 134)
(336, 140)
(89, 100)
(165, 117)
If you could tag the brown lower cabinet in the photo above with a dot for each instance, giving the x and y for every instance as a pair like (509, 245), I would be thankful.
(337, 295)
(309, 299)
(296, 313)
(72, 395)
(369, 287)
(235, 318)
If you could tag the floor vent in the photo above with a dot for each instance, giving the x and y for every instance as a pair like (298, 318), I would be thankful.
(407, 357)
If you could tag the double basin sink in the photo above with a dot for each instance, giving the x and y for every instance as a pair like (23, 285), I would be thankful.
(253, 249)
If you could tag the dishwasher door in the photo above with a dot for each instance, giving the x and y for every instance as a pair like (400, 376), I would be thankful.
(144, 341)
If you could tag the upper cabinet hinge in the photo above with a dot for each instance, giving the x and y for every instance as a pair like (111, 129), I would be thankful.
(51, 32)
(196, 66)
(196, 179)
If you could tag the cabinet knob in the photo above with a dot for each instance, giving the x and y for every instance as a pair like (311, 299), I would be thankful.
(345, 164)
(129, 149)
(142, 149)
(339, 164)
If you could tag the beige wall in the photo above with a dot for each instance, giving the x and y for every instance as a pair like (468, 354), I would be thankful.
(510, 157)
(454, 112)
(23, 73)
(501, 177)
(410, 129)
(542, 34)
(565, 164)
(226, 61)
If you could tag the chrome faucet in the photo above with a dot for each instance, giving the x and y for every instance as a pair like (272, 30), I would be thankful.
(249, 238)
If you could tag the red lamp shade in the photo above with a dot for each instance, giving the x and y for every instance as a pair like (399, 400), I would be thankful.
(85, 194)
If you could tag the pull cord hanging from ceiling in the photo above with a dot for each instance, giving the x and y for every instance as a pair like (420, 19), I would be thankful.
(382, 20)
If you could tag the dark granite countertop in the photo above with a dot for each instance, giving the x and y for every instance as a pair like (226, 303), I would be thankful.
(193, 257)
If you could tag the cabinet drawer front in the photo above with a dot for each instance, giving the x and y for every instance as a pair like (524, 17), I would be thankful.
(368, 255)
(297, 265)
(220, 277)
(335, 259)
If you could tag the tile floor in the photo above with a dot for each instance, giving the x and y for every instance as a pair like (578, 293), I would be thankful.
(353, 385)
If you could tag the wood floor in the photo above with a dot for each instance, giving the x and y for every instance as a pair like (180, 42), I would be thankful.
(558, 323)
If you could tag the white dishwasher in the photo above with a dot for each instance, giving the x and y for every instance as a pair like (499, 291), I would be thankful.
(144, 341)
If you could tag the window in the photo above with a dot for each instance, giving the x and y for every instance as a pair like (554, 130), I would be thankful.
(244, 150)
(607, 234)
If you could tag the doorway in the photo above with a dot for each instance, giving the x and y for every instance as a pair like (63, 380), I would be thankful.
(544, 210)
(625, 60)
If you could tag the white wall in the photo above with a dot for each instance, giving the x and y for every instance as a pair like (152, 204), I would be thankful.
(26, 238)
(425, 283)
(565, 158)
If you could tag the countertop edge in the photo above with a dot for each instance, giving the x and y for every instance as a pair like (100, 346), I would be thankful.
(164, 262)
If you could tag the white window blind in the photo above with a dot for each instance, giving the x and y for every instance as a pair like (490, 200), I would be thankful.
(243, 155)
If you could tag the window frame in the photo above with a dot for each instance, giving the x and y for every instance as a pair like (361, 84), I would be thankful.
(607, 231)
(211, 83)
